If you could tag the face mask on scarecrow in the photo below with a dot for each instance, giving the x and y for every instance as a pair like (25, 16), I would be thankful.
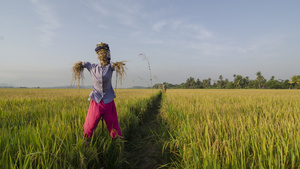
(103, 53)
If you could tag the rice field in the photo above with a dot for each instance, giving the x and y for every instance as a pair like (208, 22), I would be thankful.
(42, 128)
(233, 128)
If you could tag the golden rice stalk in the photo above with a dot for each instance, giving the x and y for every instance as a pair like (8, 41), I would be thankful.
(120, 70)
(77, 75)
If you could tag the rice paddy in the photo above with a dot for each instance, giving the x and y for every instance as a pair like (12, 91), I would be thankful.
(42, 128)
(233, 128)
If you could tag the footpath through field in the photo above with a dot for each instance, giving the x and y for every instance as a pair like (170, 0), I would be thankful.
(141, 150)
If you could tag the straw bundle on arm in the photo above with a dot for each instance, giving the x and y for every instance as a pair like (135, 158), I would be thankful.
(77, 75)
(120, 70)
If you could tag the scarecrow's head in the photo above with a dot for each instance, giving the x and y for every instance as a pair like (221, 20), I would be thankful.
(103, 53)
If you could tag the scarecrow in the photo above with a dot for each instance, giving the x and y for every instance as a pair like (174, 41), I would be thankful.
(102, 103)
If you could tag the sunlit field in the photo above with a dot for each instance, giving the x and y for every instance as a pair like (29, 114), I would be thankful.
(42, 128)
(233, 128)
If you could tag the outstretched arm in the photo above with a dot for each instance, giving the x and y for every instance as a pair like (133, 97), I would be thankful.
(120, 68)
(77, 76)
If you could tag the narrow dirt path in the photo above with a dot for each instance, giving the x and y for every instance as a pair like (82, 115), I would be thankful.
(141, 151)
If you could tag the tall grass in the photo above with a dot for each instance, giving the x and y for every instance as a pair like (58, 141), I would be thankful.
(233, 128)
(42, 128)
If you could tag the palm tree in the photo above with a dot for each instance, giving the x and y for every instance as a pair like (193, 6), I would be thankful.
(206, 83)
(198, 83)
(259, 79)
(221, 78)
(238, 81)
(191, 82)
(220, 81)
(246, 81)
(295, 80)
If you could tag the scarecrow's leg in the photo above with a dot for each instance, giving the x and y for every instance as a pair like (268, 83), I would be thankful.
(92, 118)
(111, 120)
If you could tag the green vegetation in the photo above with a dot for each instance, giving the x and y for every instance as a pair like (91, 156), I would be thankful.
(42, 128)
(239, 82)
(233, 128)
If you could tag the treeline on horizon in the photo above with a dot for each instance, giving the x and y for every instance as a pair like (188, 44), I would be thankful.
(239, 82)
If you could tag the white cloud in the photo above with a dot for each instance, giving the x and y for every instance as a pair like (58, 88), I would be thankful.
(181, 29)
(198, 32)
(153, 41)
(159, 25)
(247, 49)
(102, 26)
(261, 46)
(51, 23)
(136, 33)
(99, 8)
(177, 23)
(124, 13)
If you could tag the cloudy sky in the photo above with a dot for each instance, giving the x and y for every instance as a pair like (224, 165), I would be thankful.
(40, 40)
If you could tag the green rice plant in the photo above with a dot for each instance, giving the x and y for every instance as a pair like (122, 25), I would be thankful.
(42, 128)
(233, 128)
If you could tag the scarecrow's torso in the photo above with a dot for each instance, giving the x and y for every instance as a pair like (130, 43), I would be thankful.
(102, 87)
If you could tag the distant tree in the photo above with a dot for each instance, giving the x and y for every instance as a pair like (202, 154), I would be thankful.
(198, 84)
(285, 84)
(209, 83)
(253, 84)
(171, 86)
(238, 81)
(260, 79)
(182, 86)
(273, 84)
(225, 83)
(294, 81)
(220, 83)
(221, 78)
(214, 85)
(206, 83)
(190, 83)
(246, 82)
(229, 85)
(157, 86)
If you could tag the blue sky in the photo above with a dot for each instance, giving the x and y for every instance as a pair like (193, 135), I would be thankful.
(40, 40)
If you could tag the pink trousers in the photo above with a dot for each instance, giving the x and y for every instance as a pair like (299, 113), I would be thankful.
(100, 110)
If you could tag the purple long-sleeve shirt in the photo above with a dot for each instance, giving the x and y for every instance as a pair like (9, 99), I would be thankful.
(102, 87)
